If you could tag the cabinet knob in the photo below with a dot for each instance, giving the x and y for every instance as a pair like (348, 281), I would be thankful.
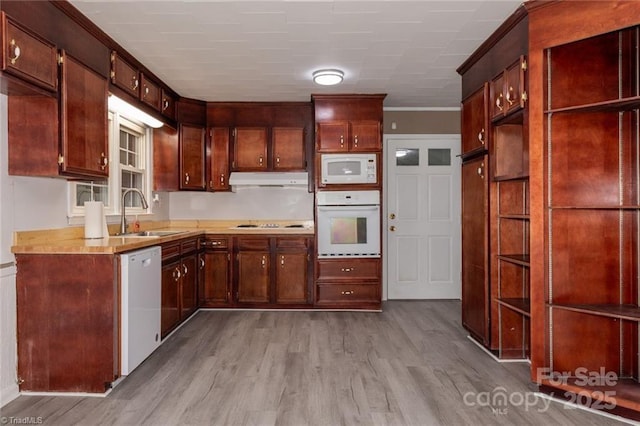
(15, 51)
(481, 136)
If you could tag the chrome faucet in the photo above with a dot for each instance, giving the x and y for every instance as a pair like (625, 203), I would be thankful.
(123, 219)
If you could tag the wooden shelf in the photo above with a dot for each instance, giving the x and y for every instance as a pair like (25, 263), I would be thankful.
(514, 216)
(625, 312)
(624, 104)
(518, 259)
(520, 305)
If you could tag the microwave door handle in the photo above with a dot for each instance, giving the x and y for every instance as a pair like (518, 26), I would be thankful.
(371, 207)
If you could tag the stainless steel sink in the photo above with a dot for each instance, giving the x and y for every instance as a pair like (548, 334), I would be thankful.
(148, 234)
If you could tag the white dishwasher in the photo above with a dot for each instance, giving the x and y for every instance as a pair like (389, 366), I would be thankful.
(140, 304)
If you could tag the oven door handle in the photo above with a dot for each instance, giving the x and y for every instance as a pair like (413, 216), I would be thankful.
(348, 207)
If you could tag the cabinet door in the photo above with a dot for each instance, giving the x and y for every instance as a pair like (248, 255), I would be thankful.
(83, 99)
(253, 276)
(166, 171)
(124, 75)
(28, 56)
(365, 136)
(288, 148)
(514, 92)
(168, 105)
(150, 92)
(189, 285)
(474, 123)
(250, 149)
(219, 159)
(475, 283)
(332, 136)
(498, 102)
(192, 154)
(215, 285)
(170, 314)
(291, 277)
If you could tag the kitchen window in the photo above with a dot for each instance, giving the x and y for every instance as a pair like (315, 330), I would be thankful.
(129, 167)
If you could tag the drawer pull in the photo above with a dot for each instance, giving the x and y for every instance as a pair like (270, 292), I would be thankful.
(16, 52)
(165, 104)
(347, 293)
(348, 269)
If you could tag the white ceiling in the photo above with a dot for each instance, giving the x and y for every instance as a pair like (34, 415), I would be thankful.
(266, 50)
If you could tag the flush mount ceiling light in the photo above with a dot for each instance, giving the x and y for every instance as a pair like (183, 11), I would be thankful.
(328, 77)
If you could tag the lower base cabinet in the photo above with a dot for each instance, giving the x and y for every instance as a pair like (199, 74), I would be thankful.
(215, 272)
(349, 283)
(180, 272)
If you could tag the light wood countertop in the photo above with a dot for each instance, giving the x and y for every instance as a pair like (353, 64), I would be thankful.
(71, 240)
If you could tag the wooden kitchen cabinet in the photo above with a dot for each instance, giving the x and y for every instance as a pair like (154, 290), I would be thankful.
(50, 137)
(180, 272)
(272, 270)
(475, 121)
(508, 93)
(250, 149)
(349, 136)
(28, 56)
(124, 75)
(215, 279)
(218, 161)
(289, 152)
(168, 104)
(192, 157)
(150, 93)
(349, 283)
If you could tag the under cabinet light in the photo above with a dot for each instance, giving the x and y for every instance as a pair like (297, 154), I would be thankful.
(126, 109)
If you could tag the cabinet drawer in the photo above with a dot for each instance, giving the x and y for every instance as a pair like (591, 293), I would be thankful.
(368, 269)
(285, 243)
(170, 250)
(258, 243)
(347, 293)
(215, 243)
(187, 246)
(28, 56)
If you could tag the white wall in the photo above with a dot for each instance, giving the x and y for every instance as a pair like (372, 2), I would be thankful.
(8, 386)
(261, 203)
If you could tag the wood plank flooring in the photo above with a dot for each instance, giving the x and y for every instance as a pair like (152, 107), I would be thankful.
(409, 365)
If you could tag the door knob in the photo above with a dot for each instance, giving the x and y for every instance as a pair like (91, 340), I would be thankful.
(392, 228)
(392, 216)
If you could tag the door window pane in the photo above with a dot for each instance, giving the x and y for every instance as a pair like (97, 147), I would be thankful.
(439, 157)
(407, 157)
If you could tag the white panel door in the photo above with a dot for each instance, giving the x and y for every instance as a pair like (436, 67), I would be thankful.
(423, 217)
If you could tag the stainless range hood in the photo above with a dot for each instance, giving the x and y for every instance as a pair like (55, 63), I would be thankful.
(284, 179)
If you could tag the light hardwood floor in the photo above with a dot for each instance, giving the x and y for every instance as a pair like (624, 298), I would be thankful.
(409, 365)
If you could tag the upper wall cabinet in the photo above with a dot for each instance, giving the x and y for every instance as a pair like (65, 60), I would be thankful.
(508, 92)
(250, 149)
(288, 148)
(125, 75)
(50, 137)
(150, 92)
(474, 123)
(343, 136)
(263, 149)
(28, 56)
(192, 157)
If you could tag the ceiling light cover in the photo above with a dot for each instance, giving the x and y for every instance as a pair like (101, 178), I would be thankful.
(328, 77)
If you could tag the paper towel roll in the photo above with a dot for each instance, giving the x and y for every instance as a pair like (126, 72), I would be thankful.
(93, 219)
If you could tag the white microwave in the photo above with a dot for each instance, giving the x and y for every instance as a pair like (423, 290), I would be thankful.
(343, 169)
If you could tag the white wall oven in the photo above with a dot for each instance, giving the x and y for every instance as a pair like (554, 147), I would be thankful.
(341, 169)
(348, 224)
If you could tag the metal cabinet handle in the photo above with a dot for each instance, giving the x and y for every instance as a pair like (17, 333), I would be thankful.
(348, 269)
(341, 141)
(201, 263)
(165, 104)
(264, 261)
(103, 161)
(186, 178)
(481, 171)
(282, 261)
(185, 269)
(277, 160)
(146, 91)
(347, 293)
(355, 140)
(499, 102)
(15, 50)
(510, 98)
(481, 136)
(176, 274)
(260, 161)
(134, 83)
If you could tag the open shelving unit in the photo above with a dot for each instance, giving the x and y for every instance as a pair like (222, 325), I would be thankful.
(592, 217)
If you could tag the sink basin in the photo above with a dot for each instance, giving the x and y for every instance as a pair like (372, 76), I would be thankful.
(149, 234)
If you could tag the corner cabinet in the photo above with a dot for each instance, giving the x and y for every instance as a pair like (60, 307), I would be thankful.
(584, 131)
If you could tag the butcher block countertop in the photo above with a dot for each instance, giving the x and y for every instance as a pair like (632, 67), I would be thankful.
(71, 240)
